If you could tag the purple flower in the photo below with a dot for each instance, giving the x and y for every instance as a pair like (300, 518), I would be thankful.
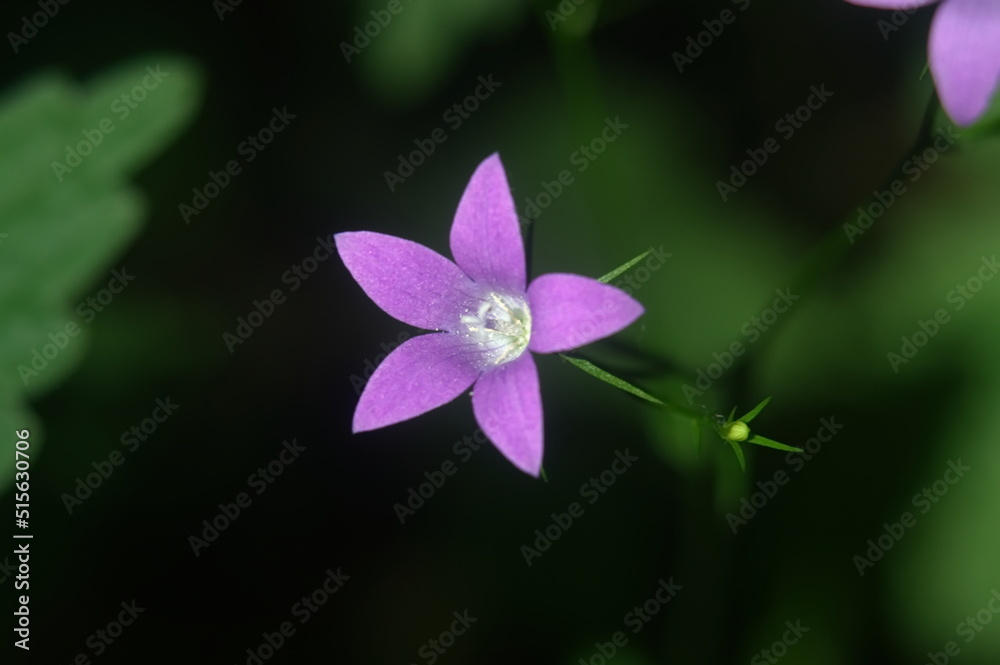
(964, 52)
(485, 318)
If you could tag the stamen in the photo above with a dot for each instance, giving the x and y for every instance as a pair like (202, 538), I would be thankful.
(505, 308)
(501, 326)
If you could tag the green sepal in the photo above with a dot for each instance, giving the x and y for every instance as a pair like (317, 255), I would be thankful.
(771, 443)
(754, 411)
(739, 454)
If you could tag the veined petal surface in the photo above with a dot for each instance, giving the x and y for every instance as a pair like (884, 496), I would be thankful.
(423, 373)
(569, 311)
(410, 282)
(507, 403)
(485, 236)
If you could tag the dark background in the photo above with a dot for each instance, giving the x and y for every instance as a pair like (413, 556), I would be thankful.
(294, 378)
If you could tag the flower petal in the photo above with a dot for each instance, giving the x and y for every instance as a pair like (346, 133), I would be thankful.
(965, 56)
(568, 311)
(485, 236)
(507, 403)
(892, 4)
(425, 372)
(410, 282)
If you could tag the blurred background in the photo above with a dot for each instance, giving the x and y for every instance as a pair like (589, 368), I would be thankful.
(186, 354)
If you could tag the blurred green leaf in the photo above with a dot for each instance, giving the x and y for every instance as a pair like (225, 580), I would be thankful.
(147, 101)
(66, 153)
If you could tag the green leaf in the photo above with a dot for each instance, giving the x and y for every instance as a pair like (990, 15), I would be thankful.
(754, 411)
(770, 443)
(623, 267)
(161, 95)
(594, 370)
(68, 211)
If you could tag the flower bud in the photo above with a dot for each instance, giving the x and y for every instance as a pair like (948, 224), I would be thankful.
(736, 431)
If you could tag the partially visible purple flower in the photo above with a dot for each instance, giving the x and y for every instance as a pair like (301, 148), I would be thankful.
(485, 318)
(964, 52)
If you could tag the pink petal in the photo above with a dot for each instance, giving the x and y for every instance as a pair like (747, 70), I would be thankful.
(423, 373)
(508, 406)
(410, 282)
(485, 236)
(965, 56)
(892, 4)
(568, 311)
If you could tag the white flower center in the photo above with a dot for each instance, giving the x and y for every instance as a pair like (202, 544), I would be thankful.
(501, 326)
